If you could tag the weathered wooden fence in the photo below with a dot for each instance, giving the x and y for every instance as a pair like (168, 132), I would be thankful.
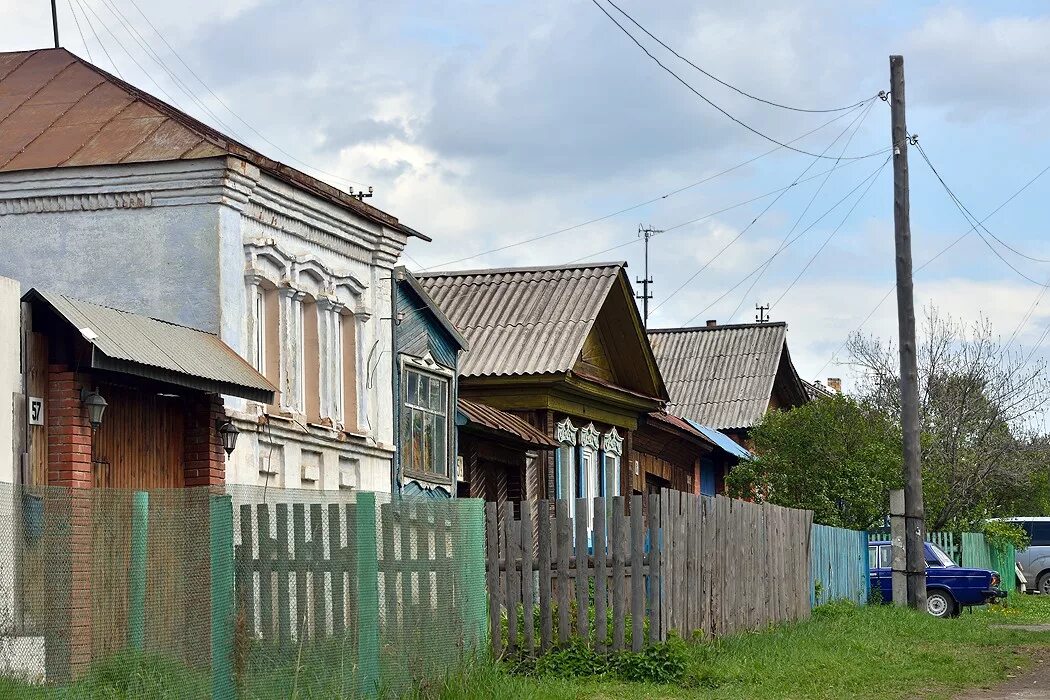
(690, 564)
(838, 565)
(978, 553)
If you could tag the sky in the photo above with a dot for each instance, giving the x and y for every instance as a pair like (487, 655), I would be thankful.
(484, 123)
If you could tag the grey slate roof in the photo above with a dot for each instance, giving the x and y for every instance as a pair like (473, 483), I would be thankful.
(133, 344)
(721, 376)
(522, 320)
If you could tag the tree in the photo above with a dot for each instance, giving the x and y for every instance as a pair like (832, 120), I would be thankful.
(835, 456)
(979, 402)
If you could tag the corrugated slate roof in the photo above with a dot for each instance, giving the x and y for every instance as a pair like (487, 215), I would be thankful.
(143, 346)
(57, 110)
(720, 376)
(522, 320)
(501, 421)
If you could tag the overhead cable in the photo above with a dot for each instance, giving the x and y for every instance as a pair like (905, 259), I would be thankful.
(703, 97)
(732, 87)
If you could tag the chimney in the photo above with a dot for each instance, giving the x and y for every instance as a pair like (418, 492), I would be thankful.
(711, 322)
(835, 384)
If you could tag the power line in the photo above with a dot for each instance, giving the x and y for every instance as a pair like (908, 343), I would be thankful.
(944, 250)
(639, 205)
(708, 101)
(98, 41)
(865, 112)
(230, 110)
(79, 30)
(724, 83)
(756, 219)
(729, 291)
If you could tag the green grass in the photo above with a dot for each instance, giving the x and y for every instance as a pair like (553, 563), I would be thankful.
(843, 652)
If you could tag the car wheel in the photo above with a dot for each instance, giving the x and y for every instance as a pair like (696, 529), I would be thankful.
(1043, 586)
(940, 603)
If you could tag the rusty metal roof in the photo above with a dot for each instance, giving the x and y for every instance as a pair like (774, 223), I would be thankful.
(723, 376)
(58, 110)
(522, 321)
(500, 421)
(132, 344)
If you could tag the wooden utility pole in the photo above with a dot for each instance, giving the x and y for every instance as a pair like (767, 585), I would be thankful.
(915, 533)
(54, 21)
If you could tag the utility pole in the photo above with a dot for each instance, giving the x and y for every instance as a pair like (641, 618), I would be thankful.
(915, 533)
(762, 316)
(646, 232)
(54, 21)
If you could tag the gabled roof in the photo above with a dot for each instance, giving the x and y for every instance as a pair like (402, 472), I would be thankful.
(724, 376)
(132, 344)
(58, 110)
(402, 274)
(507, 425)
(522, 320)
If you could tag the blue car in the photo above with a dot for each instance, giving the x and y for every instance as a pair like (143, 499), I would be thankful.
(949, 587)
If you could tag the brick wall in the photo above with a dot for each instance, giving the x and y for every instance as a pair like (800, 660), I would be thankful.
(205, 460)
(69, 465)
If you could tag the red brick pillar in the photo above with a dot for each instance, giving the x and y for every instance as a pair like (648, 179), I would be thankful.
(69, 465)
(204, 460)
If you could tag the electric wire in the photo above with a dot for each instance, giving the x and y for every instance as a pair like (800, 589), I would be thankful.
(865, 112)
(639, 205)
(79, 30)
(98, 41)
(230, 110)
(944, 250)
(834, 206)
(724, 83)
(703, 97)
(755, 220)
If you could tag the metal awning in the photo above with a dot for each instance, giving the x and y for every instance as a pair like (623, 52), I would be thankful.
(129, 343)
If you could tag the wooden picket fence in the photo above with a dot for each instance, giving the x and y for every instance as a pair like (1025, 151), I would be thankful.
(947, 541)
(689, 564)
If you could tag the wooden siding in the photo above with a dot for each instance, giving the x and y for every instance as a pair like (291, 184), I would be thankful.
(36, 385)
(140, 442)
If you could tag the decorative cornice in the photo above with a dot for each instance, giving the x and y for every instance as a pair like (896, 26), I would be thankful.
(565, 432)
(75, 202)
(589, 436)
(612, 442)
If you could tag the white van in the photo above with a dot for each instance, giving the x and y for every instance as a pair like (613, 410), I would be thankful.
(1035, 561)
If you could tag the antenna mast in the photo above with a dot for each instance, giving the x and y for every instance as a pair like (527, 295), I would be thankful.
(54, 21)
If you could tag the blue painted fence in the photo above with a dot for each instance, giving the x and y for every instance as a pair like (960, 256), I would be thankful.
(838, 565)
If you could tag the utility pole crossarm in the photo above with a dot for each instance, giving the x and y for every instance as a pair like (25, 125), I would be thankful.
(915, 534)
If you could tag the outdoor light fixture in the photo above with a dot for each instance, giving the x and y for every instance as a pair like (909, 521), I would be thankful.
(96, 406)
(228, 432)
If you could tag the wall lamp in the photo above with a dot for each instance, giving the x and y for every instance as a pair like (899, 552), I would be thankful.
(96, 406)
(228, 432)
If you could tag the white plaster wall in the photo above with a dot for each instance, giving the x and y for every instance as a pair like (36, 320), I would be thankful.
(10, 374)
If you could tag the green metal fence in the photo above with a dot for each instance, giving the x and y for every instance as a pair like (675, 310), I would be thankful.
(978, 553)
(235, 593)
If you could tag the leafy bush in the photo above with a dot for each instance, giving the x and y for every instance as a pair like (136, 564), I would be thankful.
(999, 534)
(663, 662)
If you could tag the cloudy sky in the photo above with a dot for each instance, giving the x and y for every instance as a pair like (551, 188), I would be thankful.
(484, 123)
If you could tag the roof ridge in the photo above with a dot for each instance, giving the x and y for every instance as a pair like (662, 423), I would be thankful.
(727, 326)
(509, 270)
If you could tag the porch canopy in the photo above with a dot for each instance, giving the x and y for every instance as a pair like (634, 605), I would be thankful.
(501, 425)
(129, 343)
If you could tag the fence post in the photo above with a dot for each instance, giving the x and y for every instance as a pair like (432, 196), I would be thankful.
(472, 572)
(137, 570)
(367, 597)
(222, 596)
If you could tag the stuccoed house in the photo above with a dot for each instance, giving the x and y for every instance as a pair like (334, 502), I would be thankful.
(723, 379)
(112, 196)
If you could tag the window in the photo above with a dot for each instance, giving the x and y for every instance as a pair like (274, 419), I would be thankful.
(873, 557)
(886, 557)
(347, 377)
(565, 463)
(265, 343)
(425, 422)
(311, 361)
(1040, 531)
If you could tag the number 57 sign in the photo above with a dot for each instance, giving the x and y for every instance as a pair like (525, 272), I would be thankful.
(36, 411)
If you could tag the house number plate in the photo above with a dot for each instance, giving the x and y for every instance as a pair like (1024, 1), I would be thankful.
(36, 411)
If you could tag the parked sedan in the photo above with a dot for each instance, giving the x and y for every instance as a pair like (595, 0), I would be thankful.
(949, 587)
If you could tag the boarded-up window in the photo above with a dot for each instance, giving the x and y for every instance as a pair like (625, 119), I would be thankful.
(268, 344)
(311, 362)
(348, 370)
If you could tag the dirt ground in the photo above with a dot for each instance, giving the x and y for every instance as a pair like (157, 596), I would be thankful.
(1032, 683)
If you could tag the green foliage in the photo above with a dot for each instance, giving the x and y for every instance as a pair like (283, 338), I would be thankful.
(662, 662)
(999, 534)
(835, 456)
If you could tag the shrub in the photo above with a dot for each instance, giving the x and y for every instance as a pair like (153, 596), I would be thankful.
(999, 534)
(663, 662)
